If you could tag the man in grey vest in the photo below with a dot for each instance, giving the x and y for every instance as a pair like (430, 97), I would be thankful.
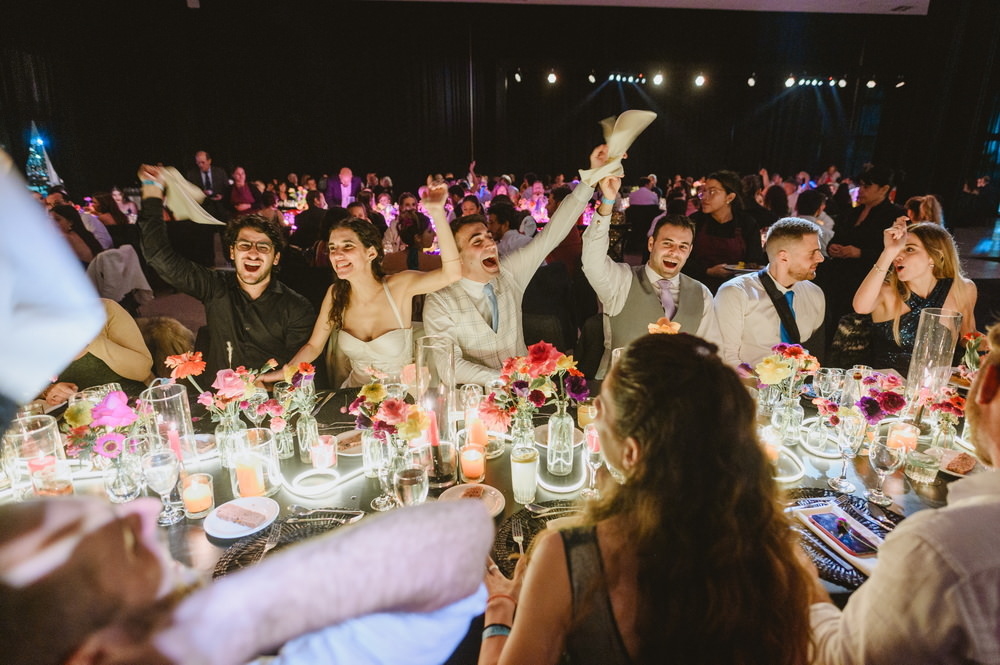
(635, 296)
(778, 304)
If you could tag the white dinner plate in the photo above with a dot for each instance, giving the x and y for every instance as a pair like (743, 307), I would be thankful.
(220, 528)
(491, 496)
(349, 443)
(948, 455)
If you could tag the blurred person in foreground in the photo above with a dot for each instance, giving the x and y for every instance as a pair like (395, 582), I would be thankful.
(935, 595)
(690, 560)
(84, 582)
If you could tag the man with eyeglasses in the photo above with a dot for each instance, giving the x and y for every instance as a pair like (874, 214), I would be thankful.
(251, 316)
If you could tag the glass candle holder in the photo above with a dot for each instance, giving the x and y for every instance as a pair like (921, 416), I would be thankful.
(256, 470)
(197, 494)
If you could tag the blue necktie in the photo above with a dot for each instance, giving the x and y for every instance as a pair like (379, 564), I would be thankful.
(785, 337)
(491, 297)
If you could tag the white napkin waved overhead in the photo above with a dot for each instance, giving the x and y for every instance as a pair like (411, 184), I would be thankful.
(619, 134)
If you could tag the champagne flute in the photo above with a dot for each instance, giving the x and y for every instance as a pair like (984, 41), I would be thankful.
(161, 469)
(884, 460)
(849, 437)
(595, 458)
(386, 459)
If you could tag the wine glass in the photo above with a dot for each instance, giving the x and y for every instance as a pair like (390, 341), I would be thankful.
(161, 469)
(586, 411)
(254, 400)
(828, 382)
(410, 484)
(595, 458)
(884, 460)
(850, 435)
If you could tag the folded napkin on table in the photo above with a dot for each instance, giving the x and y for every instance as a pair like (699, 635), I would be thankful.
(865, 564)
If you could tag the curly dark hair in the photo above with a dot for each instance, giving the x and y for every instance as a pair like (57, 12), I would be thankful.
(369, 237)
(411, 224)
(718, 577)
(257, 223)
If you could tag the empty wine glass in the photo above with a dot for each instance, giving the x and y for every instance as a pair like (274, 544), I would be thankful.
(161, 469)
(884, 460)
(849, 436)
(595, 458)
(828, 382)
(254, 400)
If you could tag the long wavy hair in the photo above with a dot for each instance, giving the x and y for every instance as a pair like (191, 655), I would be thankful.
(718, 579)
(369, 237)
(941, 248)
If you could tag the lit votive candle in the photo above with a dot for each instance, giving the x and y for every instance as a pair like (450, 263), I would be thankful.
(324, 453)
(902, 435)
(250, 477)
(197, 494)
(473, 462)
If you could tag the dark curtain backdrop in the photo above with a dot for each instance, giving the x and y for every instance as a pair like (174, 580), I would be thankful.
(410, 88)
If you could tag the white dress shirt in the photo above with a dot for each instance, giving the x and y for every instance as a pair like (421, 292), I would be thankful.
(345, 195)
(935, 595)
(749, 322)
(612, 281)
(512, 241)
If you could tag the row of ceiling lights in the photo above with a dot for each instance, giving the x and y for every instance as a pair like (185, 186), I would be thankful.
(700, 80)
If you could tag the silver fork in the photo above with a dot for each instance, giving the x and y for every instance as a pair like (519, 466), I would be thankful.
(273, 536)
(517, 533)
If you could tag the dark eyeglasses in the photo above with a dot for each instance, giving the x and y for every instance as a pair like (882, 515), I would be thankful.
(262, 247)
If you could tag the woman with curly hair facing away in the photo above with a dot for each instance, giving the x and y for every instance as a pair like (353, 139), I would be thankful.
(690, 560)
(416, 233)
(370, 312)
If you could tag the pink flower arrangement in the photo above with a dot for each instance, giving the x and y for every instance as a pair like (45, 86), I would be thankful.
(232, 386)
(113, 412)
(100, 427)
(385, 415)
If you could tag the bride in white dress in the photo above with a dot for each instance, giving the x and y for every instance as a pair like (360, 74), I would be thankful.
(371, 312)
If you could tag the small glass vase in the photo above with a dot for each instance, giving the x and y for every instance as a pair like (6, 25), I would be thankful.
(559, 456)
(307, 432)
(944, 435)
(227, 435)
(122, 479)
(522, 434)
(284, 442)
(787, 420)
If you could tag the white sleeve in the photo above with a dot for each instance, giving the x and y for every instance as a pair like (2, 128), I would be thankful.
(611, 280)
(709, 328)
(730, 313)
(523, 263)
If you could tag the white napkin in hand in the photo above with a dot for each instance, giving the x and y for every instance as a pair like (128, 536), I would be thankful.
(865, 564)
(184, 198)
(618, 134)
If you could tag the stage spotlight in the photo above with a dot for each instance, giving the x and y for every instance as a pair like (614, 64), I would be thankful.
(631, 79)
(871, 83)
(592, 78)
(790, 81)
(657, 79)
(699, 80)
(751, 81)
(551, 77)
(517, 76)
(842, 83)
(901, 82)
(611, 77)
(802, 81)
(618, 77)
(815, 82)
(832, 82)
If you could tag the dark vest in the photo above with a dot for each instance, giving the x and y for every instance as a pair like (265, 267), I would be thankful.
(643, 307)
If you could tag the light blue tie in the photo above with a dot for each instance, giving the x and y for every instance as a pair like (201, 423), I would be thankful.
(785, 337)
(491, 297)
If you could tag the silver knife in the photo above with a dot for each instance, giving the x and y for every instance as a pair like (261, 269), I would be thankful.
(322, 403)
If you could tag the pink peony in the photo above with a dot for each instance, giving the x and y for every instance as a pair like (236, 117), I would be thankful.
(113, 411)
(277, 424)
(206, 399)
(229, 384)
(542, 359)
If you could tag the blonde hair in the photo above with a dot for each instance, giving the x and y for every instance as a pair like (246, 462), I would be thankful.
(940, 246)
(925, 209)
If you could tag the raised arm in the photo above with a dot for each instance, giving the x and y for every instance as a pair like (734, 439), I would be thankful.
(525, 261)
(609, 278)
(350, 573)
(187, 276)
(416, 282)
(868, 296)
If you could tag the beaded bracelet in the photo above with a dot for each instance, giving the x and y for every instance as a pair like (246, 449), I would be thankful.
(496, 630)
(152, 182)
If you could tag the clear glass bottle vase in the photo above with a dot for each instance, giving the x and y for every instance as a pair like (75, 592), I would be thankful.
(307, 433)
(227, 434)
(559, 456)
(787, 420)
